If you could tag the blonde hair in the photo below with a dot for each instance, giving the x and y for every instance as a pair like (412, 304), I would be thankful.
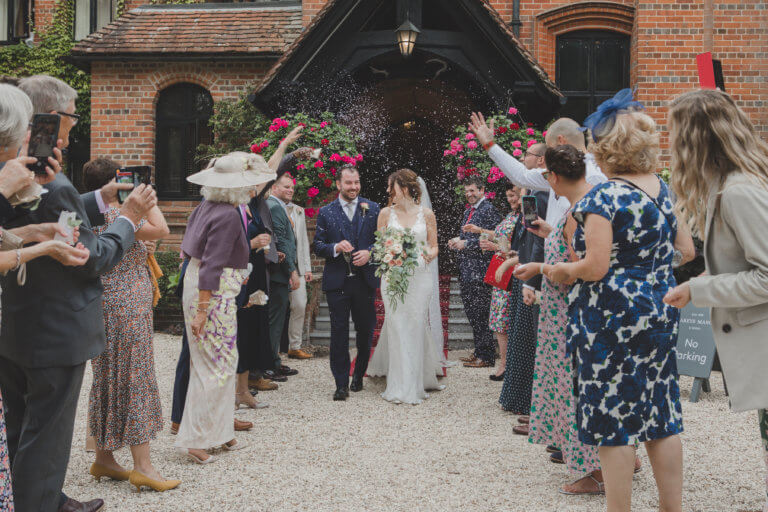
(631, 146)
(710, 137)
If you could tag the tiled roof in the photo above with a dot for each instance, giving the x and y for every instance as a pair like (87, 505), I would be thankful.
(196, 29)
(318, 19)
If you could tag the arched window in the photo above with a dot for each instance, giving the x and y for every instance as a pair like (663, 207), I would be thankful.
(591, 67)
(181, 124)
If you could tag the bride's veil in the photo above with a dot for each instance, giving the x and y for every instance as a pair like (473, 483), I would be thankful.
(435, 317)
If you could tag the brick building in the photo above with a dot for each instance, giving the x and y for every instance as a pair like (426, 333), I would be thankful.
(157, 69)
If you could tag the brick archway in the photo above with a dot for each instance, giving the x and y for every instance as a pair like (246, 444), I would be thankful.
(598, 15)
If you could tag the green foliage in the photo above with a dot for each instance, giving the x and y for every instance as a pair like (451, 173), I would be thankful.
(47, 57)
(234, 123)
(169, 264)
(664, 174)
(466, 157)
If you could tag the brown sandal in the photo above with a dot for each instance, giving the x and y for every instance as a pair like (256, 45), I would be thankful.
(600, 488)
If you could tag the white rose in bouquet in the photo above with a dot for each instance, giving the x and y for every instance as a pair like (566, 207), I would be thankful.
(397, 248)
(387, 258)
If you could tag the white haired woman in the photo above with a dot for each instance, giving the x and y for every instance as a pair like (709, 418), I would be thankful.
(216, 244)
(720, 176)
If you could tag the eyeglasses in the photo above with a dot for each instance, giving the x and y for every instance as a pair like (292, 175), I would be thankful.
(546, 174)
(75, 117)
(532, 154)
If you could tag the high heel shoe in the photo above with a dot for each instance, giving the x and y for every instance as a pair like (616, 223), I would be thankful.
(239, 445)
(98, 471)
(195, 458)
(250, 405)
(140, 480)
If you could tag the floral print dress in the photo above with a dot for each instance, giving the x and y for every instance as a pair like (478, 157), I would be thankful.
(553, 407)
(622, 334)
(6, 491)
(500, 314)
(124, 406)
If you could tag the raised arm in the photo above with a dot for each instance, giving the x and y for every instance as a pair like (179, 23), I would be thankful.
(155, 226)
(433, 250)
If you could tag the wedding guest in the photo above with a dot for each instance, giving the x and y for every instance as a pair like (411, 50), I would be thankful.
(124, 405)
(298, 297)
(562, 131)
(553, 413)
(720, 175)
(515, 393)
(617, 320)
(473, 263)
(284, 275)
(216, 244)
(42, 362)
(500, 315)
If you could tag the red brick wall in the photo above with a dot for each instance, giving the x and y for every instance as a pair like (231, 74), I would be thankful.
(310, 8)
(123, 99)
(43, 14)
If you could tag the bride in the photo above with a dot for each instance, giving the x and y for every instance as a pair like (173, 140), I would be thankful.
(410, 348)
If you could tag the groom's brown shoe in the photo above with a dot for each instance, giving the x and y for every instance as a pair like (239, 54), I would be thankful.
(468, 359)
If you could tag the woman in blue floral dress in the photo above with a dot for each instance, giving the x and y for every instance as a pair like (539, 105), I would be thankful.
(620, 332)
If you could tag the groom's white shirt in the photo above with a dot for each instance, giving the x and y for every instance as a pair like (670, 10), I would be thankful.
(345, 209)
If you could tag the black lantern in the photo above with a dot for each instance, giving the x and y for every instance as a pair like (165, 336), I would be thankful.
(406, 38)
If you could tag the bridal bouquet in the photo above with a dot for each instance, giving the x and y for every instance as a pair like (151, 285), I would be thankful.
(396, 253)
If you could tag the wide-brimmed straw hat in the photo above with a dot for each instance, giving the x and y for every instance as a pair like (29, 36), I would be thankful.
(234, 170)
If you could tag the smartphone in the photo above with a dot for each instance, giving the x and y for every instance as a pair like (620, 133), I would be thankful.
(42, 141)
(136, 175)
(530, 212)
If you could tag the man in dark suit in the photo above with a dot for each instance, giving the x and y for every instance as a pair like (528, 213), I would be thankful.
(347, 226)
(473, 263)
(284, 275)
(50, 328)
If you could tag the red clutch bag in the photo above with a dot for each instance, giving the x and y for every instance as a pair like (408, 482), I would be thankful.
(490, 274)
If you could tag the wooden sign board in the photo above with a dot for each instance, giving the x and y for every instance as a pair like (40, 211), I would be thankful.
(695, 346)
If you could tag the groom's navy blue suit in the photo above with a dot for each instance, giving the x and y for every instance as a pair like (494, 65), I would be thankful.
(345, 295)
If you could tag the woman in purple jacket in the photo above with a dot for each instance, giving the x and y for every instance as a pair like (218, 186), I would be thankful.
(216, 246)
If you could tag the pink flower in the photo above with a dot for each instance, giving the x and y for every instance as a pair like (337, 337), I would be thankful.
(517, 152)
(348, 159)
(460, 176)
(274, 128)
(446, 152)
(323, 124)
(544, 133)
(311, 129)
(472, 144)
(490, 195)
(335, 157)
(469, 136)
(255, 148)
(454, 152)
(530, 131)
(284, 123)
(517, 144)
(512, 110)
(302, 125)
(461, 169)
(300, 167)
(319, 164)
(312, 192)
(459, 148)
(359, 157)
(310, 212)
(531, 142)
(264, 144)
(276, 121)
(333, 171)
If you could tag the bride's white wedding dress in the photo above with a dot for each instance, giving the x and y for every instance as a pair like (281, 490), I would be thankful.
(406, 352)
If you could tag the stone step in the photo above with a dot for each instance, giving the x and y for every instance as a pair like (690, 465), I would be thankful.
(456, 341)
(455, 325)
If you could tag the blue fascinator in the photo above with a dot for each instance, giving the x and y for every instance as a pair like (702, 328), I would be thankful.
(602, 119)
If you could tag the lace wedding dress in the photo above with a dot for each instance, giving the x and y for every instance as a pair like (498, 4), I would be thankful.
(406, 353)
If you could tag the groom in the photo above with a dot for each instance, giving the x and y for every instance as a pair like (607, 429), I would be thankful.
(347, 225)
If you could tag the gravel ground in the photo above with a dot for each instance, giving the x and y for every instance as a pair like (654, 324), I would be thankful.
(456, 451)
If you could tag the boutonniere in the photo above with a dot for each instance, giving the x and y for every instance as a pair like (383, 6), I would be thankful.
(364, 207)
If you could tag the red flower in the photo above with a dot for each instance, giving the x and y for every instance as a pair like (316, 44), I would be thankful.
(312, 192)
(321, 175)
(325, 142)
(255, 148)
(503, 130)
(328, 182)
(310, 212)
(359, 157)
(300, 167)
(319, 164)
(514, 126)
(530, 125)
(333, 171)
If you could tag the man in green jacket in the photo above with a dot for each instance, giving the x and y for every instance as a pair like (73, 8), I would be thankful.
(284, 275)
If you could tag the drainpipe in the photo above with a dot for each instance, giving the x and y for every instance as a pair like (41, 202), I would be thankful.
(516, 17)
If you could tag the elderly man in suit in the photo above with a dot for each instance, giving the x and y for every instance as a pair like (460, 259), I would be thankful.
(473, 263)
(284, 275)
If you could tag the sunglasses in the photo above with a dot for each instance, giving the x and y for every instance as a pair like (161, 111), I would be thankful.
(75, 117)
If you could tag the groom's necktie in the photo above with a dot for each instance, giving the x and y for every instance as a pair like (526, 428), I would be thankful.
(471, 213)
(348, 209)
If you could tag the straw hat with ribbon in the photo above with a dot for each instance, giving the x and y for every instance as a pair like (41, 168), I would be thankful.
(234, 170)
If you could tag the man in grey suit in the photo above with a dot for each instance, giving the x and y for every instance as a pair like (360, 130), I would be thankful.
(51, 327)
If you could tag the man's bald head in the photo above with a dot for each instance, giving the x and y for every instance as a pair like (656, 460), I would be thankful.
(565, 131)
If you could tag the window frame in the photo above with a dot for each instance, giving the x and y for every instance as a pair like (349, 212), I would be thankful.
(93, 17)
(162, 126)
(28, 8)
(593, 94)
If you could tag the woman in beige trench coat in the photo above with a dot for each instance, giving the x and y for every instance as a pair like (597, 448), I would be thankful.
(720, 176)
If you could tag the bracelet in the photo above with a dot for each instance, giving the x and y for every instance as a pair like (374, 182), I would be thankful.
(18, 260)
(488, 146)
(541, 269)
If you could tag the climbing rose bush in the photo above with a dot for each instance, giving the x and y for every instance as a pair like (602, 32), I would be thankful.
(314, 178)
(465, 157)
